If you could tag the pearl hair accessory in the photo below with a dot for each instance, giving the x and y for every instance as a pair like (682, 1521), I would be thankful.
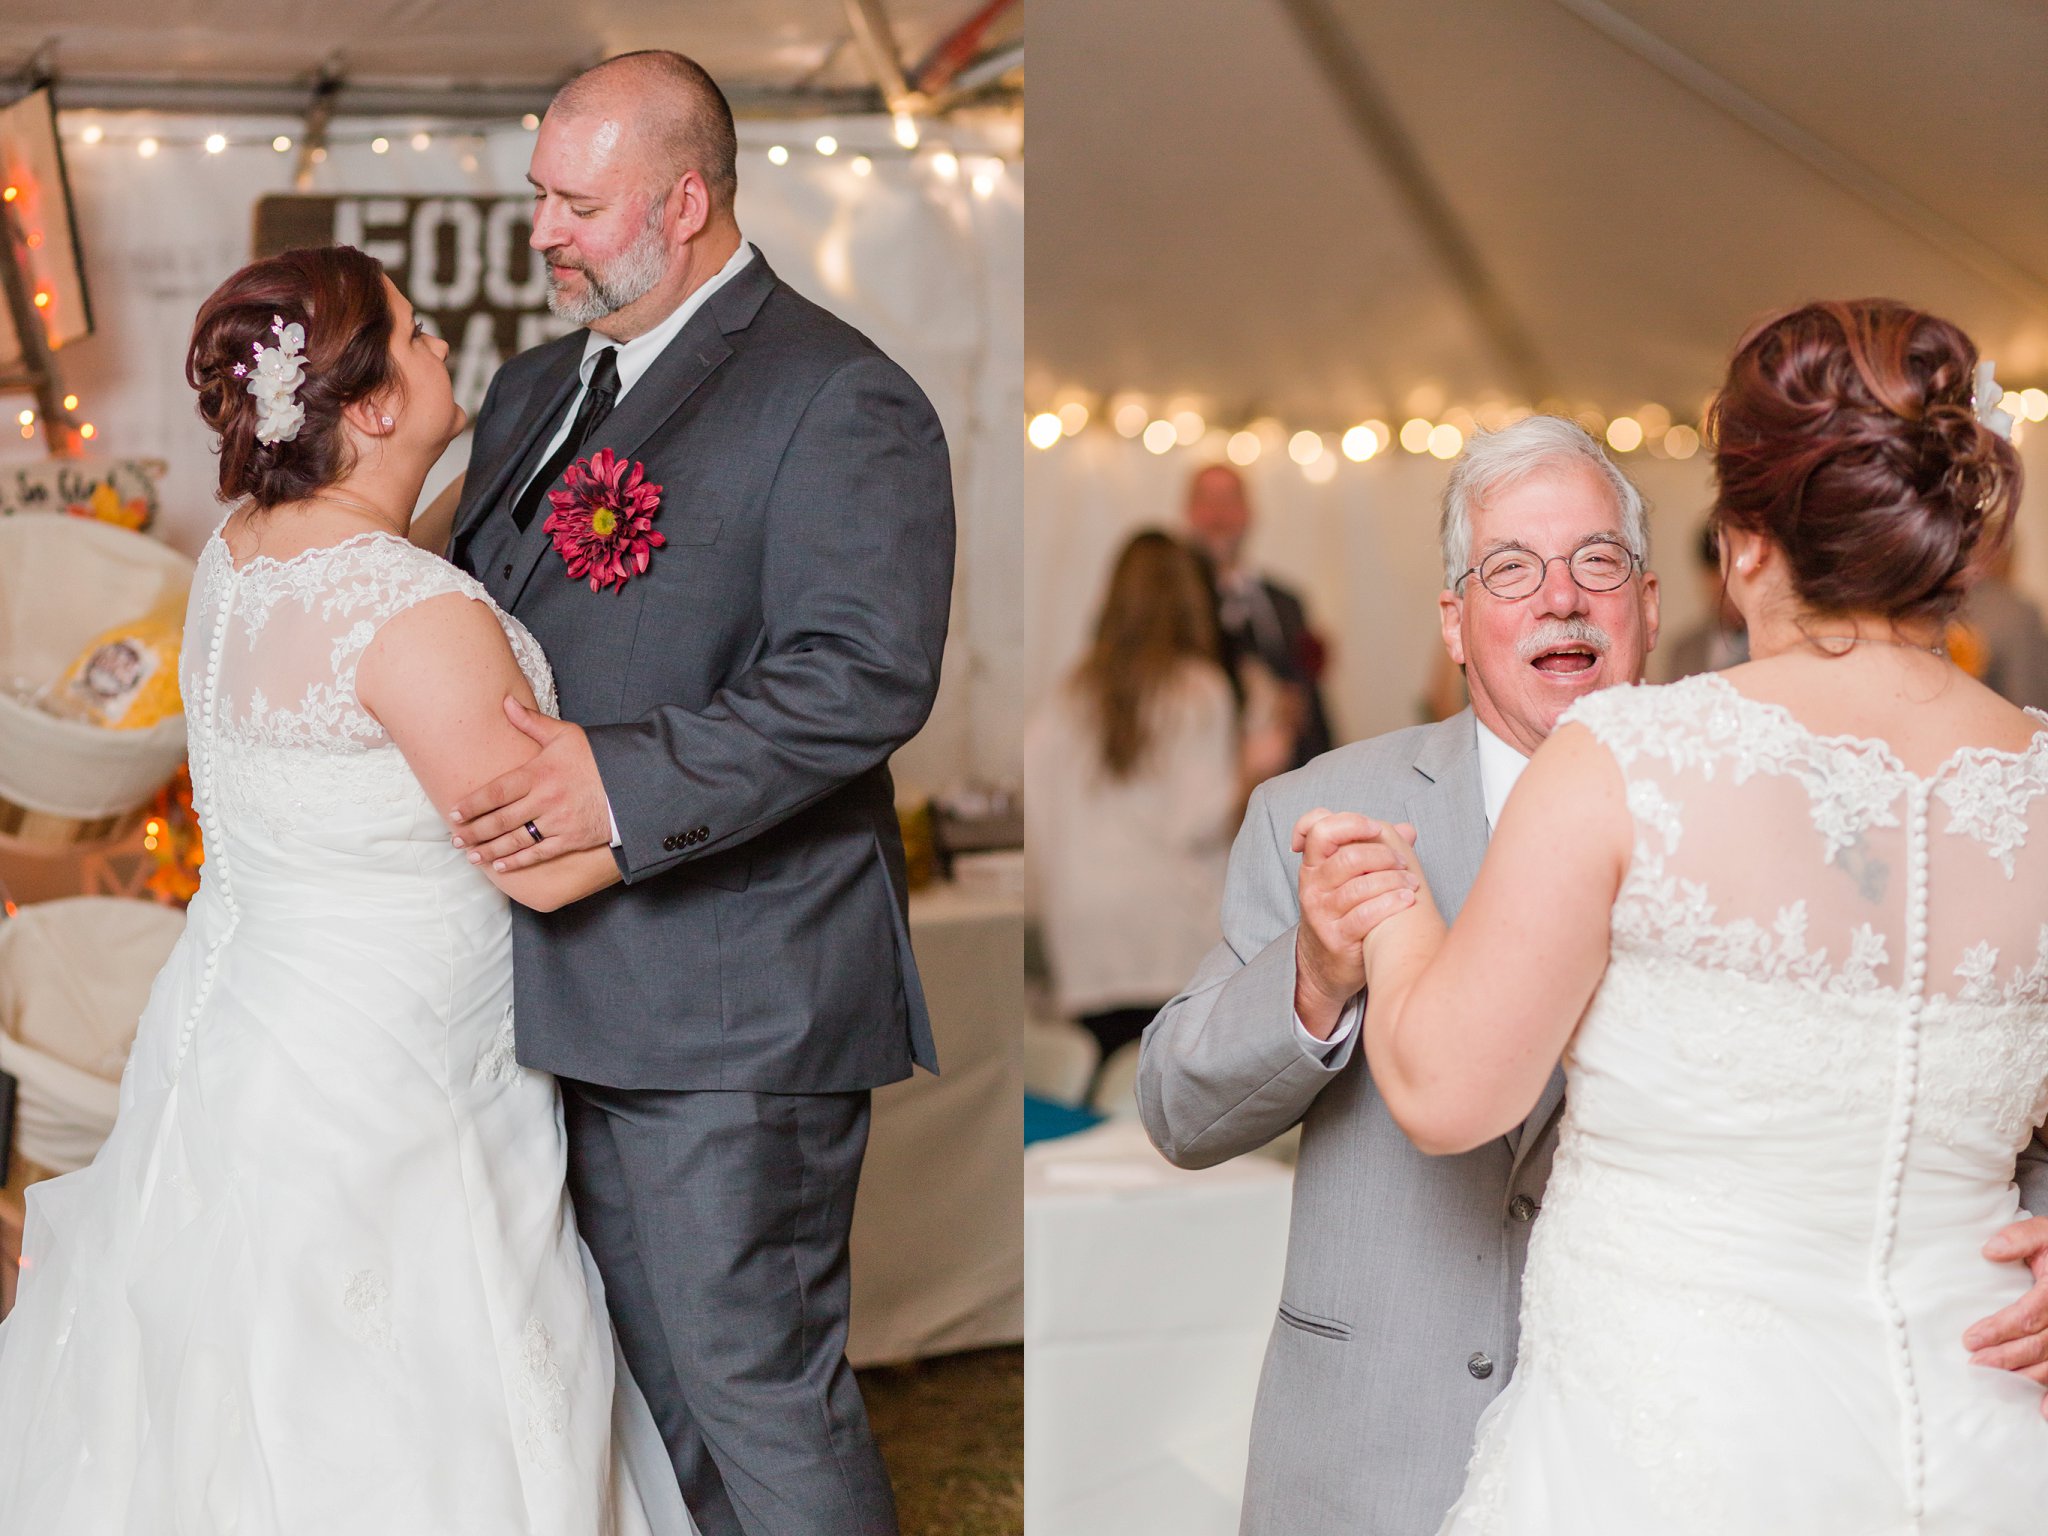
(275, 382)
(1984, 398)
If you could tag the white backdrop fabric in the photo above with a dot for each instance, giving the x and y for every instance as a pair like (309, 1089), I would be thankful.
(926, 265)
(1361, 550)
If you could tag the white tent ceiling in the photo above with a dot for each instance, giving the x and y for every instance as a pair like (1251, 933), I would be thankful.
(750, 45)
(1637, 179)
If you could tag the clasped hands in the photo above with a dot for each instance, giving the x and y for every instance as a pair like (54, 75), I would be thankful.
(1356, 872)
(559, 791)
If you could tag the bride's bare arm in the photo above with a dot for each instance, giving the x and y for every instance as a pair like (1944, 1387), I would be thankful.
(1462, 1028)
(436, 677)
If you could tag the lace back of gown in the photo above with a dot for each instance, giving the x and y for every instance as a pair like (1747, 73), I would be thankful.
(1793, 1112)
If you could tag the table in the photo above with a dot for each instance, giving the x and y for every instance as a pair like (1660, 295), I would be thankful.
(1150, 1292)
(938, 1250)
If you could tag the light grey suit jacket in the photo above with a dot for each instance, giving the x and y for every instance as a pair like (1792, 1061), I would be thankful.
(1397, 1320)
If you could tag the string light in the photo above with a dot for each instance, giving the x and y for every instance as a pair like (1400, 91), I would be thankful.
(862, 165)
(380, 145)
(1320, 471)
(88, 431)
(1073, 417)
(1188, 427)
(1044, 430)
(1415, 434)
(1305, 447)
(2034, 404)
(1360, 443)
(35, 239)
(827, 145)
(281, 143)
(777, 155)
(1654, 420)
(1624, 434)
(986, 176)
(216, 142)
(42, 298)
(1681, 442)
(28, 431)
(422, 139)
(319, 155)
(71, 402)
(93, 133)
(1160, 436)
(1243, 448)
(906, 130)
(946, 164)
(1445, 441)
(530, 121)
(1129, 417)
(9, 194)
(147, 149)
(26, 418)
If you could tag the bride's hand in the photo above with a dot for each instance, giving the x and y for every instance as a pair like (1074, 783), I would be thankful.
(1351, 881)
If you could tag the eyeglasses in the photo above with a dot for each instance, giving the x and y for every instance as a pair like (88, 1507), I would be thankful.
(1599, 565)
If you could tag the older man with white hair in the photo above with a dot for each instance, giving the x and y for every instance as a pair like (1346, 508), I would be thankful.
(1397, 1320)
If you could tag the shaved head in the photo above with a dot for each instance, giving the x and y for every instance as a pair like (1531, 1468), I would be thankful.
(672, 106)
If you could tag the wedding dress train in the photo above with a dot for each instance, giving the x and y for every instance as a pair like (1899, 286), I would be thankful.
(1793, 1113)
(323, 1278)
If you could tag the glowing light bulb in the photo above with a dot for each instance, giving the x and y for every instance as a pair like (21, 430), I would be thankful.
(778, 154)
(1654, 420)
(946, 164)
(93, 133)
(1445, 440)
(1044, 431)
(1681, 442)
(1305, 447)
(827, 145)
(71, 402)
(281, 143)
(862, 166)
(2035, 403)
(1360, 443)
(147, 149)
(1624, 434)
(216, 142)
(1129, 417)
(88, 431)
(1320, 471)
(1243, 448)
(319, 155)
(380, 145)
(1073, 417)
(26, 418)
(530, 121)
(1160, 436)
(906, 130)
(1188, 428)
(1415, 434)
(42, 298)
(422, 139)
(986, 178)
(9, 194)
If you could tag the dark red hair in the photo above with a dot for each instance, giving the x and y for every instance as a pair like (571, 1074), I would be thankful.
(1845, 433)
(337, 294)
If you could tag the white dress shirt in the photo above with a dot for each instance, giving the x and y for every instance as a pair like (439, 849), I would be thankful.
(1500, 765)
(634, 359)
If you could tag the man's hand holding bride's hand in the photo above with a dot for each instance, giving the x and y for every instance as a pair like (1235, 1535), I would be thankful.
(558, 791)
(1353, 878)
(2016, 1338)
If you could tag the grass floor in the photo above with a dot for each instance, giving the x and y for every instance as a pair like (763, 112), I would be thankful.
(952, 1432)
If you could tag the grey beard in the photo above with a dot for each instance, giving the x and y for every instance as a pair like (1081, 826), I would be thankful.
(631, 278)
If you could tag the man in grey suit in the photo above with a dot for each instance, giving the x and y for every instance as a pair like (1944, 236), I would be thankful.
(717, 1022)
(1397, 1319)
(1399, 1313)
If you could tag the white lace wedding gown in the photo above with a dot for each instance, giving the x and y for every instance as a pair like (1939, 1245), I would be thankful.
(323, 1279)
(1793, 1112)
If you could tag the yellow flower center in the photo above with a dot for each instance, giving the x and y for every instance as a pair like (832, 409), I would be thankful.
(604, 522)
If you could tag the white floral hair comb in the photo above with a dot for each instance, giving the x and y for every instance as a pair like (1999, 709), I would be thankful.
(275, 382)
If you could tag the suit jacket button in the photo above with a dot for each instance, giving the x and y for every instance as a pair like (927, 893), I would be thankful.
(703, 832)
(669, 843)
(508, 572)
(1480, 1366)
(1522, 1208)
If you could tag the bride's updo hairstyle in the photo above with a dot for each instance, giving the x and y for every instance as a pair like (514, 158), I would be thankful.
(336, 294)
(1846, 434)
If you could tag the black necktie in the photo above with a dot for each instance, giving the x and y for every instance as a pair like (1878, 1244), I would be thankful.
(598, 399)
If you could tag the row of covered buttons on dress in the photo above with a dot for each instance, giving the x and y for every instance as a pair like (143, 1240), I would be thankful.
(676, 841)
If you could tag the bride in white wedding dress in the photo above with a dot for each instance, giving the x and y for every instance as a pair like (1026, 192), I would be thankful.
(324, 1277)
(1788, 928)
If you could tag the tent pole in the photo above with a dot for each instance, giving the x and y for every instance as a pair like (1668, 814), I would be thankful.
(1817, 155)
(1380, 129)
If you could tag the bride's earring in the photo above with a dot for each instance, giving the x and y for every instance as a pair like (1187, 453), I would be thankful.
(385, 419)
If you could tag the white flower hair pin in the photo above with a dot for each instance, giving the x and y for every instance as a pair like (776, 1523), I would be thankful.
(275, 382)
(1984, 400)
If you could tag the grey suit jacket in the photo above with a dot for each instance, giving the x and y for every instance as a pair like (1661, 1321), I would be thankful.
(1398, 1316)
(1399, 1313)
(742, 697)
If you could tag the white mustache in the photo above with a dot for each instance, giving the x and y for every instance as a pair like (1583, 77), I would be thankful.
(1552, 633)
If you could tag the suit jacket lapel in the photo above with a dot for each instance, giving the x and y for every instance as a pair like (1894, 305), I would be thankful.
(685, 363)
(481, 497)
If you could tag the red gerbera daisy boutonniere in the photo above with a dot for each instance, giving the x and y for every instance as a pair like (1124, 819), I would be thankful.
(603, 523)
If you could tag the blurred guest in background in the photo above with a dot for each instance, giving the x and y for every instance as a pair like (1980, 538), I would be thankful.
(1718, 640)
(1262, 625)
(2011, 644)
(1136, 770)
